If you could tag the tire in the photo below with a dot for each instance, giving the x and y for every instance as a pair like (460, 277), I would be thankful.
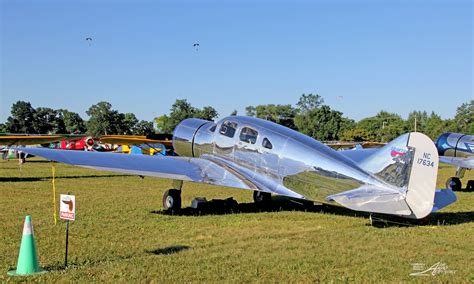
(454, 183)
(172, 199)
(260, 197)
(470, 186)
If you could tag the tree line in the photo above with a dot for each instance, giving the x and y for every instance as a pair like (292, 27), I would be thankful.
(314, 118)
(310, 115)
(103, 120)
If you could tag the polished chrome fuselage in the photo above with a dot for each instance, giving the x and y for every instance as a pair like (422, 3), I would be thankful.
(294, 165)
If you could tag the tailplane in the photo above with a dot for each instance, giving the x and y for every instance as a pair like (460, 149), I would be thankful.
(409, 167)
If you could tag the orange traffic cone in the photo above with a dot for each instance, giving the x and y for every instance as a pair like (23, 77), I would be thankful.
(28, 258)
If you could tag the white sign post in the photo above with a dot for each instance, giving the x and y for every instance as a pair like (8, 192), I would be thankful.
(67, 211)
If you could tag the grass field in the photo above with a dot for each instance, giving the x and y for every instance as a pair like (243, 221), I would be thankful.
(121, 233)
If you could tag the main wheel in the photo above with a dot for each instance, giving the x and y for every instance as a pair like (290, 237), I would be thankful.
(453, 183)
(261, 197)
(172, 199)
(470, 185)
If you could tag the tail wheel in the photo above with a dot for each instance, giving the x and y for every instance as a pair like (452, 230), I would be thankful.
(172, 199)
(453, 183)
(261, 197)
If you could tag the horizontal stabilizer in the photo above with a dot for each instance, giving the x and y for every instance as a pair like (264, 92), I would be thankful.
(443, 198)
(408, 166)
(371, 198)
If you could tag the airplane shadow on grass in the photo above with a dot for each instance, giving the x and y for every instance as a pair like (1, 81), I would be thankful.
(278, 204)
(168, 250)
(30, 179)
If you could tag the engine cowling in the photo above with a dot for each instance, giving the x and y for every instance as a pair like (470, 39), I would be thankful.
(193, 137)
(90, 141)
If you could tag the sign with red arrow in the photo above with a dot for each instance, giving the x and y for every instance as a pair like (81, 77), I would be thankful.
(67, 207)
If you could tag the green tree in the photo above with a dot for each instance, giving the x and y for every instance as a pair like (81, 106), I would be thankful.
(104, 120)
(250, 111)
(321, 123)
(48, 120)
(207, 113)
(22, 118)
(281, 114)
(179, 111)
(355, 134)
(234, 113)
(309, 102)
(73, 122)
(129, 124)
(464, 119)
(383, 127)
(435, 126)
(143, 128)
(162, 124)
(421, 119)
(3, 128)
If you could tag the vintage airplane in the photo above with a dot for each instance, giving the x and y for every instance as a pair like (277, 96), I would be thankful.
(457, 149)
(255, 154)
(82, 142)
(9, 140)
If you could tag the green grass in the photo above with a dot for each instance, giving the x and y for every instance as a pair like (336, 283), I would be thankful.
(118, 234)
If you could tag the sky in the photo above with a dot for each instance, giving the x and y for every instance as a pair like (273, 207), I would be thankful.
(360, 56)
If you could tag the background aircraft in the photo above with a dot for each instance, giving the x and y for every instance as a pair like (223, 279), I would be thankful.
(159, 143)
(9, 140)
(78, 144)
(255, 154)
(458, 150)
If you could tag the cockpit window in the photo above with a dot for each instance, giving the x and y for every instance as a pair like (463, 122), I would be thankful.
(213, 128)
(228, 128)
(248, 135)
(267, 144)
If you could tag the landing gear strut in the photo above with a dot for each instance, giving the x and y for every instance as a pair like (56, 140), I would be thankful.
(262, 198)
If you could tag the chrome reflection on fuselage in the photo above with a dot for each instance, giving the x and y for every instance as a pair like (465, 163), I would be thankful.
(283, 161)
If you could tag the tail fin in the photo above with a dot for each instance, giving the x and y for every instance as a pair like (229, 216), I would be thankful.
(409, 166)
(424, 172)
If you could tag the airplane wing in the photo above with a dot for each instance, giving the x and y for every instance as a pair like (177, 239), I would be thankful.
(17, 139)
(467, 162)
(134, 140)
(179, 168)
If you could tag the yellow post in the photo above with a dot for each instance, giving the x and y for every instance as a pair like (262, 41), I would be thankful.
(53, 169)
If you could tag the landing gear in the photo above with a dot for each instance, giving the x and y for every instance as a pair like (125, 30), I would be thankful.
(470, 185)
(172, 199)
(453, 183)
(262, 198)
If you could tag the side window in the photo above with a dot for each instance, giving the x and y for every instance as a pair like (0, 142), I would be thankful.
(228, 128)
(213, 128)
(267, 144)
(248, 135)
